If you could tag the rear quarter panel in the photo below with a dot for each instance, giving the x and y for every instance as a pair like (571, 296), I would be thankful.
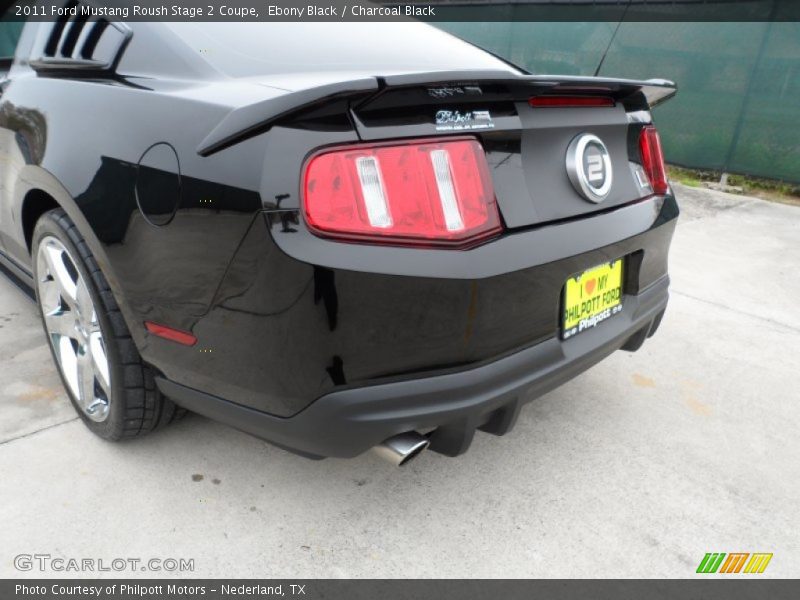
(81, 141)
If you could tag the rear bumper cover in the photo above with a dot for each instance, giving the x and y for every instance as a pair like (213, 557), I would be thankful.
(488, 397)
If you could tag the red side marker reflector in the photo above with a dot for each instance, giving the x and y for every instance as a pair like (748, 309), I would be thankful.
(570, 101)
(168, 333)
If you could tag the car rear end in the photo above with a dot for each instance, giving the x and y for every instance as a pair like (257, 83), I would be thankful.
(430, 257)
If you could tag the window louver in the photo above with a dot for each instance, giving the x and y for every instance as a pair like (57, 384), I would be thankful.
(82, 42)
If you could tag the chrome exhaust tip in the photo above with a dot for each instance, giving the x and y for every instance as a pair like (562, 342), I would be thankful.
(402, 448)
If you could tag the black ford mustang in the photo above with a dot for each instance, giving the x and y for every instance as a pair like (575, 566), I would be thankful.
(323, 234)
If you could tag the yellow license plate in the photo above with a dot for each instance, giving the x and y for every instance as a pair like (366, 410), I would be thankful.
(591, 298)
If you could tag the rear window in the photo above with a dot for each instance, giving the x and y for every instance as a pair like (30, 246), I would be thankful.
(247, 49)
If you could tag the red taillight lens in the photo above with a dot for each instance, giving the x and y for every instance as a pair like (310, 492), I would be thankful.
(423, 193)
(570, 101)
(653, 159)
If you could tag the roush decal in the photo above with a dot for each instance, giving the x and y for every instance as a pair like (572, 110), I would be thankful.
(456, 90)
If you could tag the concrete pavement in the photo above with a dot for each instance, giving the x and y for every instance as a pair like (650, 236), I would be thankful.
(635, 469)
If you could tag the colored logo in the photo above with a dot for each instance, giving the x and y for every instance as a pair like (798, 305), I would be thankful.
(736, 562)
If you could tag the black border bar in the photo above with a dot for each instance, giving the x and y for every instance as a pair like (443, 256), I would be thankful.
(733, 587)
(430, 11)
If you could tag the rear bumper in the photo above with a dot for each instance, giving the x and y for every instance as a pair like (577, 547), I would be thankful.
(290, 324)
(454, 405)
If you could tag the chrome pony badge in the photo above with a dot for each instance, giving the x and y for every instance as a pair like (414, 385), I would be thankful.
(589, 167)
(453, 120)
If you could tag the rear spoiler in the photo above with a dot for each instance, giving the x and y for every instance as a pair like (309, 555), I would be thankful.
(253, 119)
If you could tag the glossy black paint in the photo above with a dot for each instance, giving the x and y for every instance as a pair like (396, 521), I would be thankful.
(200, 228)
(314, 327)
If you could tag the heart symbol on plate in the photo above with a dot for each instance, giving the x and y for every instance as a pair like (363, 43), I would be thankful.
(589, 285)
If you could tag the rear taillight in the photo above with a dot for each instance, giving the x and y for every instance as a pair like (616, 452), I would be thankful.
(653, 159)
(420, 193)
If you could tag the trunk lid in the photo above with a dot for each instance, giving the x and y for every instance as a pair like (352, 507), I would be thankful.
(529, 148)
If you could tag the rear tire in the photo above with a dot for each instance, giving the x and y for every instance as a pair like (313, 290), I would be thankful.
(110, 387)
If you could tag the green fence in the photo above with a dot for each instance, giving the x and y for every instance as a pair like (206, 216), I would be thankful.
(738, 105)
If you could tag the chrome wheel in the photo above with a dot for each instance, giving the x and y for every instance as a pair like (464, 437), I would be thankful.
(73, 328)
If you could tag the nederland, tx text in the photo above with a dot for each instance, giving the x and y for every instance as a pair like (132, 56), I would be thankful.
(149, 591)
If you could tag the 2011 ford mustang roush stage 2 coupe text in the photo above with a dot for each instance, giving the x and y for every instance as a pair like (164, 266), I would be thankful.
(335, 237)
